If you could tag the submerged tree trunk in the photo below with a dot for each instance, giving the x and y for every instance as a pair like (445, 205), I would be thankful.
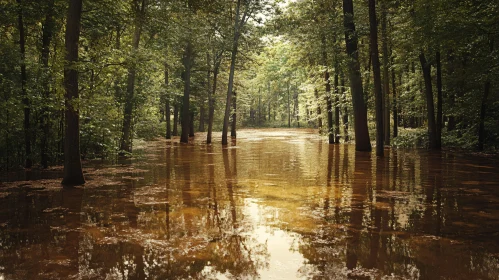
(73, 174)
(395, 108)
(48, 30)
(237, 26)
(439, 103)
(362, 141)
(187, 61)
(386, 74)
(234, 116)
(126, 137)
(345, 111)
(175, 119)
(430, 107)
(377, 79)
(27, 110)
(167, 106)
(336, 108)
(319, 111)
(483, 107)
(211, 101)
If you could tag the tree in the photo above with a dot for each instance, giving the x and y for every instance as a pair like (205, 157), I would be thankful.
(73, 174)
(373, 23)
(362, 141)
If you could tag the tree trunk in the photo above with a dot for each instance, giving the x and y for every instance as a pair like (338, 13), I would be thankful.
(378, 94)
(73, 174)
(212, 102)
(395, 109)
(430, 107)
(319, 111)
(336, 107)
(289, 108)
(231, 74)
(329, 104)
(126, 140)
(167, 106)
(362, 141)
(201, 118)
(386, 74)
(187, 61)
(175, 119)
(483, 107)
(48, 30)
(439, 103)
(191, 124)
(234, 116)
(27, 110)
(345, 111)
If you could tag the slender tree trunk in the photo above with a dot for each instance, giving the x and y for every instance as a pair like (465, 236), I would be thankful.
(362, 141)
(345, 111)
(48, 29)
(289, 108)
(439, 103)
(319, 111)
(336, 107)
(167, 106)
(483, 107)
(73, 174)
(212, 102)
(27, 110)
(259, 107)
(386, 74)
(187, 61)
(395, 109)
(234, 116)
(175, 119)
(329, 104)
(231, 74)
(377, 78)
(126, 140)
(432, 131)
(201, 118)
(191, 124)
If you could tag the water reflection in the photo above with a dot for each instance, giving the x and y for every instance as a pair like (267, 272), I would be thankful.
(277, 204)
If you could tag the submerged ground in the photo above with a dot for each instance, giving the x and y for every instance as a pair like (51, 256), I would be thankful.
(278, 204)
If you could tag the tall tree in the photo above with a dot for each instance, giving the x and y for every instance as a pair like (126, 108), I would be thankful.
(239, 22)
(373, 24)
(362, 141)
(139, 8)
(187, 61)
(73, 174)
(26, 104)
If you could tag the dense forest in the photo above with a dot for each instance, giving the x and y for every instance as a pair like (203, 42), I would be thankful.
(87, 78)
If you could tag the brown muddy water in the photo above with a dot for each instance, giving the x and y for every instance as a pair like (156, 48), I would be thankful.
(278, 204)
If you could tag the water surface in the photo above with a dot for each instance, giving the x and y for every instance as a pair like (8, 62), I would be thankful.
(276, 204)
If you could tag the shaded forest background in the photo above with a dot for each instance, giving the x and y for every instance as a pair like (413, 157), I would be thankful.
(420, 73)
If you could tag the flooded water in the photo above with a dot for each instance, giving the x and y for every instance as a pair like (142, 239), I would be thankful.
(278, 204)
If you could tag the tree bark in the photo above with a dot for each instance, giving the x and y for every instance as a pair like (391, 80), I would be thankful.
(430, 107)
(439, 103)
(26, 103)
(73, 174)
(362, 141)
(126, 138)
(187, 61)
(345, 111)
(378, 94)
